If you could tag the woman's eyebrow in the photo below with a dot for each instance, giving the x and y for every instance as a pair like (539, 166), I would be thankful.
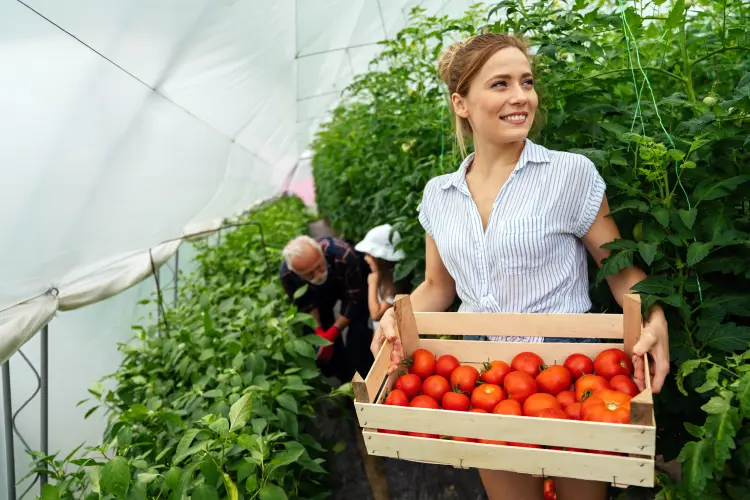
(508, 77)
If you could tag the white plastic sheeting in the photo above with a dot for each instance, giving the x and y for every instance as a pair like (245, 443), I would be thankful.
(125, 125)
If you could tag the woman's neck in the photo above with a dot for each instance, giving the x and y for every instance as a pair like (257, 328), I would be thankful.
(492, 159)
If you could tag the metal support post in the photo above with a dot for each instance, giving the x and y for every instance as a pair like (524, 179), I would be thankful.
(44, 431)
(10, 458)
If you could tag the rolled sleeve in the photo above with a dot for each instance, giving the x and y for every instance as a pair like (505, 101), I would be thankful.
(591, 192)
(423, 209)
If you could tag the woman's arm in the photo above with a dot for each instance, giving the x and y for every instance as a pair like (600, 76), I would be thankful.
(654, 338)
(435, 294)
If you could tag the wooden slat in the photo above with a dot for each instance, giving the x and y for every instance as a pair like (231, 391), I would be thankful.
(407, 326)
(361, 394)
(613, 469)
(635, 439)
(472, 351)
(603, 326)
(379, 370)
(632, 321)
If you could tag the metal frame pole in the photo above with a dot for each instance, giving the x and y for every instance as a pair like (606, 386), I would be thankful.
(10, 458)
(176, 276)
(44, 431)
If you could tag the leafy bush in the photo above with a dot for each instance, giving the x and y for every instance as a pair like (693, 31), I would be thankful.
(217, 400)
(664, 114)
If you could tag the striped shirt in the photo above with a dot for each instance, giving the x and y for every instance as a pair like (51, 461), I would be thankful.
(530, 259)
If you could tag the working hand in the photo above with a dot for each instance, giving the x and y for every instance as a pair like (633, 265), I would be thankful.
(387, 331)
(654, 341)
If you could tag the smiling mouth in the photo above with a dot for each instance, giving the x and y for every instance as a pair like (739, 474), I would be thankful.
(515, 119)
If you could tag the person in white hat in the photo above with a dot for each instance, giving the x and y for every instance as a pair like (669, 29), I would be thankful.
(379, 247)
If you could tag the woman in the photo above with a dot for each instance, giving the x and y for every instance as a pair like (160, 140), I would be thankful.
(509, 231)
(379, 247)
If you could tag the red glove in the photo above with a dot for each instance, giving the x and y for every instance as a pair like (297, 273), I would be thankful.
(326, 352)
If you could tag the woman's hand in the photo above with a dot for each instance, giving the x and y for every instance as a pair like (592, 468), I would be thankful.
(372, 280)
(371, 262)
(655, 341)
(387, 332)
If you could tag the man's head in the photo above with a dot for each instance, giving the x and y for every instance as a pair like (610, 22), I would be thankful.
(304, 257)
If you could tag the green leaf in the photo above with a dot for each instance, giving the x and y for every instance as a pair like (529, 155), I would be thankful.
(743, 395)
(147, 477)
(231, 488)
(221, 426)
(697, 252)
(287, 401)
(125, 436)
(686, 369)
(614, 264)
(115, 477)
(694, 430)
(240, 411)
(49, 492)
(172, 478)
(288, 422)
(716, 405)
(259, 425)
(712, 380)
(206, 355)
(316, 340)
(721, 428)
(695, 458)
(298, 293)
(284, 458)
(252, 484)
(688, 217)
(214, 393)
(272, 492)
(184, 445)
(294, 383)
(647, 251)
(727, 337)
(661, 215)
(205, 492)
(716, 190)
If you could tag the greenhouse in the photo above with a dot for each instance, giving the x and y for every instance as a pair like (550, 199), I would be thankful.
(159, 338)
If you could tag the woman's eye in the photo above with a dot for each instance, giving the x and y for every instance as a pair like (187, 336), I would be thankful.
(496, 84)
(528, 82)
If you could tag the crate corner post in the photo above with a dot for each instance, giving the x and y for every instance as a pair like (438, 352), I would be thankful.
(632, 320)
(406, 324)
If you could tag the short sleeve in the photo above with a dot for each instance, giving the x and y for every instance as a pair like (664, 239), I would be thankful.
(591, 188)
(424, 209)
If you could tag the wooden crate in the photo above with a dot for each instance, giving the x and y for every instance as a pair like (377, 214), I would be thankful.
(637, 440)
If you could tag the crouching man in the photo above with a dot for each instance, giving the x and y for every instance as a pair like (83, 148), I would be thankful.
(334, 273)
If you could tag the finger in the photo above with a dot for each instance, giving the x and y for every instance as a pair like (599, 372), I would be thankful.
(645, 344)
(639, 373)
(661, 370)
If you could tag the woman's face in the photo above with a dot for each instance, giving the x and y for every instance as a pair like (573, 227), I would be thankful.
(501, 102)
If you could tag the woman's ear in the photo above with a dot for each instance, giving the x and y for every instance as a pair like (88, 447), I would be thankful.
(459, 105)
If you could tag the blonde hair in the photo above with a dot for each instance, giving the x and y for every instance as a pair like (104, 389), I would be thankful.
(461, 62)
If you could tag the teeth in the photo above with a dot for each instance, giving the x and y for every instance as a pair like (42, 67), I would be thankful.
(514, 118)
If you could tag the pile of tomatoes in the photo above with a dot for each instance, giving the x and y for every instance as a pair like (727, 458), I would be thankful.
(597, 390)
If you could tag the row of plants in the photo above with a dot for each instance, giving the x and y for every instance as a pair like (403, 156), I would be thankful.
(216, 399)
(657, 95)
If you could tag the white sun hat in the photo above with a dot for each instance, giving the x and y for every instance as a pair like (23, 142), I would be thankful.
(378, 243)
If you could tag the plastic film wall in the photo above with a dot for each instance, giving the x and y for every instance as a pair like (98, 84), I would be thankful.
(125, 125)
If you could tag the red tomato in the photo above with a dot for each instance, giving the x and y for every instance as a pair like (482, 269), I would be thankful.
(478, 410)
(525, 445)
(411, 384)
(566, 398)
(423, 435)
(579, 365)
(487, 396)
(623, 383)
(589, 384)
(494, 372)
(435, 386)
(424, 401)
(573, 411)
(538, 402)
(445, 365)
(549, 489)
(519, 386)
(465, 440)
(465, 378)
(554, 379)
(552, 413)
(607, 406)
(422, 363)
(492, 441)
(527, 362)
(387, 431)
(613, 362)
(508, 407)
(456, 401)
(397, 397)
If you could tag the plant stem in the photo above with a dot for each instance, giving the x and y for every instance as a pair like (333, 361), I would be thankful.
(688, 70)
(647, 68)
(719, 51)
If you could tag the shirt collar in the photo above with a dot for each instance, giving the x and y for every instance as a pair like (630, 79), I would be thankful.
(532, 153)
